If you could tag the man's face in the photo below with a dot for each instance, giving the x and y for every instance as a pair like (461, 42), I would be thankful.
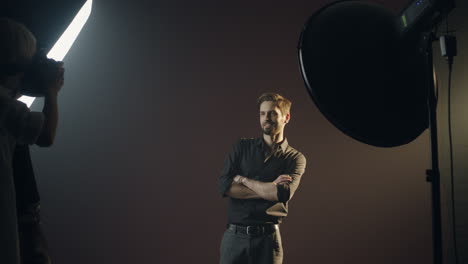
(272, 121)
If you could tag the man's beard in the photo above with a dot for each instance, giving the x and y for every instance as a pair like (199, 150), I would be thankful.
(269, 130)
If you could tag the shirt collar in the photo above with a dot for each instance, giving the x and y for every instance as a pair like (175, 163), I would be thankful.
(283, 146)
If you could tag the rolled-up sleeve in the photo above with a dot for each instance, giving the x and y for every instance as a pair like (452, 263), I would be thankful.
(230, 169)
(296, 169)
(23, 124)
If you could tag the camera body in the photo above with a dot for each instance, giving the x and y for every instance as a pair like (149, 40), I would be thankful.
(38, 75)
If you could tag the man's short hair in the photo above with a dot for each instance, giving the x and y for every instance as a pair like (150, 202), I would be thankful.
(281, 102)
(17, 43)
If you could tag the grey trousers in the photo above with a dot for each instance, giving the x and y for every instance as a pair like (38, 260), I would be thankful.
(238, 248)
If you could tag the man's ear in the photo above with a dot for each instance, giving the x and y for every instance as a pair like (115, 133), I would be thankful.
(287, 118)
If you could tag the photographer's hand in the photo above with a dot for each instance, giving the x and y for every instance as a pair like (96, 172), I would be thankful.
(50, 110)
(56, 79)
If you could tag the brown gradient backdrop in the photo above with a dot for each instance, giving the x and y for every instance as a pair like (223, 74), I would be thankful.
(157, 91)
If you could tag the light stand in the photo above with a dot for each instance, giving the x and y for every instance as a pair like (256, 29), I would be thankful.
(433, 174)
(341, 41)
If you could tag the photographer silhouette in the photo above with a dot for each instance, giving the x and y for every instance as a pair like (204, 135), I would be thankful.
(23, 69)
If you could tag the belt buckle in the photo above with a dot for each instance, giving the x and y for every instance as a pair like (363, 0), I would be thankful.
(257, 230)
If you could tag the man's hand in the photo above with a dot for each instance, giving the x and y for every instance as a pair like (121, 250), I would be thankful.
(55, 78)
(238, 179)
(283, 179)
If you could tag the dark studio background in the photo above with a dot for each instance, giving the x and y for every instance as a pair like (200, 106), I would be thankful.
(157, 91)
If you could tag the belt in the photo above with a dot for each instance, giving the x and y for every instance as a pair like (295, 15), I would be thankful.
(254, 230)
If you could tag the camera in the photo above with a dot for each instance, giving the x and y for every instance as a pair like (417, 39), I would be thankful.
(38, 75)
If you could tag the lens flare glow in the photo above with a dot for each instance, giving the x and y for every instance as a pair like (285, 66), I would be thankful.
(63, 44)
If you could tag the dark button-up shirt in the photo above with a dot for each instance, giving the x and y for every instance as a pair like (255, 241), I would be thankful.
(247, 158)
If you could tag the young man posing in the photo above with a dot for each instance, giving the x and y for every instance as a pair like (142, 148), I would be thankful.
(260, 176)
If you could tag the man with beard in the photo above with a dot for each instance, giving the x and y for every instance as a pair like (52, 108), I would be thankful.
(260, 176)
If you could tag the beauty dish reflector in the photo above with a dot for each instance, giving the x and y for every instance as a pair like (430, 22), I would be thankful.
(362, 77)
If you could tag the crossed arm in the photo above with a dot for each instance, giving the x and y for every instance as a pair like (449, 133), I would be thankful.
(245, 188)
(231, 184)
